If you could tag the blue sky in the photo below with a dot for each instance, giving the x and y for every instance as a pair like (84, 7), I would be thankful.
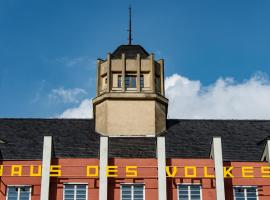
(47, 46)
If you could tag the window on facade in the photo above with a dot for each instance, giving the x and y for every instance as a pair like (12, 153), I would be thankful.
(119, 81)
(18, 192)
(142, 81)
(189, 192)
(75, 191)
(132, 192)
(245, 193)
(130, 81)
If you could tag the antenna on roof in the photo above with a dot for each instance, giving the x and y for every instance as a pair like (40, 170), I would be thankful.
(129, 26)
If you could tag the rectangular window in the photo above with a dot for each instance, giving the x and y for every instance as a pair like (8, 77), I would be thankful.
(130, 81)
(189, 192)
(132, 192)
(119, 81)
(18, 192)
(75, 191)
(142, 81)
(245, 193)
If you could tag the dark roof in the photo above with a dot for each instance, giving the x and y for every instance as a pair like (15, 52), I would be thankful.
(24, 138)
(130, 51)
(242, 140)
(136, 147)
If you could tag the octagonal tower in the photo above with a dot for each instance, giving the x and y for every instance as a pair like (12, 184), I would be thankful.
(130, 97)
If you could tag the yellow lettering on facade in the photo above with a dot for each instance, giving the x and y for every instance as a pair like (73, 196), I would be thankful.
(265, 171)
(55, 170)
(1, 170)
(16, 170)
(228, 172)
(206, 175)
(247, 172)
(191, 169)
(131, 171)
(169, 173)
(90, 168)
(111, 171)
(32, 170)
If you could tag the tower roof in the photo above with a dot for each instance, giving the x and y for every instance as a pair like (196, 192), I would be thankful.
(130, 51)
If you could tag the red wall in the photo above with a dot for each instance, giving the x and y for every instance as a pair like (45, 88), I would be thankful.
(74, 170)
(263, 184)
(7, 179)
(208, 189)
(147, 174)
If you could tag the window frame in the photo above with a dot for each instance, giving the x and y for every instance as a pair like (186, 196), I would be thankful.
(75, 183)
(132, 191)
(119, 81)
(129, 78)
(245, 192)
(141, 81)
(20, 186)
(189, 184)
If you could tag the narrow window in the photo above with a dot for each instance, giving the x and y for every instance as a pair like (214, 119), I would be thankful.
(18, 192)
(130, 81)
(132, 192)
(189, 192)
(75, 191)
(119, 81)
(133, 81)
(245, 193)
(142, 81)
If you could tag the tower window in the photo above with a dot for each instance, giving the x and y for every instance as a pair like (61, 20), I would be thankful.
(130, 81)
(142, 81)
(119, 81)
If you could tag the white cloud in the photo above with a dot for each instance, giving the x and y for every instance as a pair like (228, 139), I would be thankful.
(84, 110)
(224, 99)
(189, 99)
(67, 95)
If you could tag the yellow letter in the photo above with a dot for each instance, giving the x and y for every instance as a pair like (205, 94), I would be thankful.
(32, 173)
(265, 171)
(1, 170)
(193, 175)
(247, 172)
(206, 175)
(88, 169)
(227, 171)
(113, 170)
(16, 170)
(55, 170)
(169, 174)
(131, 171)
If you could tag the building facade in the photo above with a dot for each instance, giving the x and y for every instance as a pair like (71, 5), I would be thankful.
(130, 150)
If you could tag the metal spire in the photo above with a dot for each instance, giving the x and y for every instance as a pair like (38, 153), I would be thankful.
(129, 27)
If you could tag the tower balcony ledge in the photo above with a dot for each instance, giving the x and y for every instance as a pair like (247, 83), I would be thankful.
(130, 96)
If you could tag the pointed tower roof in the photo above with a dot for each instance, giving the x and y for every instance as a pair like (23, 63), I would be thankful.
(130, 51)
